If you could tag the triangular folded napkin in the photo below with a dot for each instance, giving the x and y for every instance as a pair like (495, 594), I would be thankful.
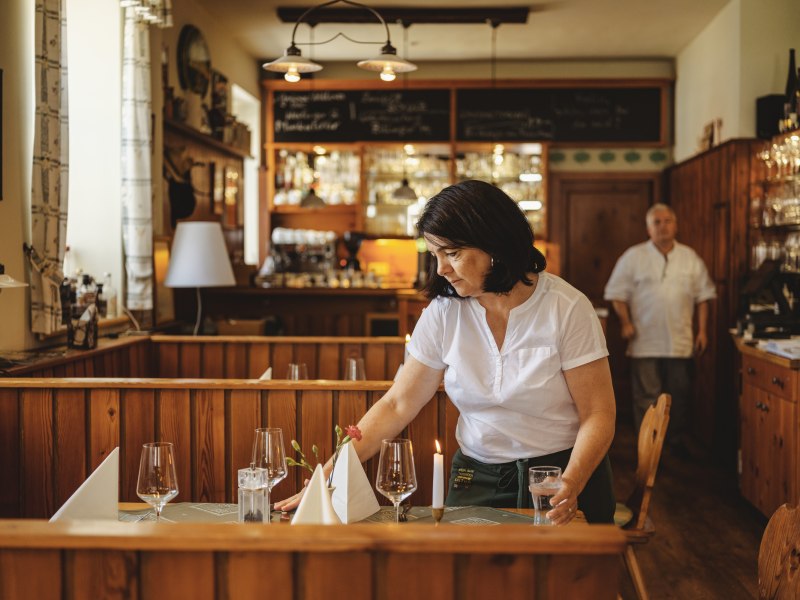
(353, 498)
(98, 496)
(266, 375)
(315, 507)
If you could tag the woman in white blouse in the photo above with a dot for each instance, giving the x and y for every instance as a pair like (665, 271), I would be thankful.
(522, 356)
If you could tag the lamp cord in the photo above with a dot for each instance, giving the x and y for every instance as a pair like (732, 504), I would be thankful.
(199, 311)
(351, 3)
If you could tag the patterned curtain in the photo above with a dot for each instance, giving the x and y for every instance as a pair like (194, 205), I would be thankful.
(137, 190)
(50, 165)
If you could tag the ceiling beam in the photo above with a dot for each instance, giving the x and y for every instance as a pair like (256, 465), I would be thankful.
(406, 16)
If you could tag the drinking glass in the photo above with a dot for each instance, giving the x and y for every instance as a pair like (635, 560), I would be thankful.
(297, 371)
(355, 370)
(544, 483)
(157, 483)
(396, 477)
(268, 453)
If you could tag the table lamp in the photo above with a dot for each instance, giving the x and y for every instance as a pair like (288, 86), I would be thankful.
(199, 259)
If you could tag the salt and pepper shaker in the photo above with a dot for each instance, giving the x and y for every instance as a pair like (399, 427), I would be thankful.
(253, 495)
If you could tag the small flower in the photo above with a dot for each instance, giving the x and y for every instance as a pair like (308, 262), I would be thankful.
(353, 432)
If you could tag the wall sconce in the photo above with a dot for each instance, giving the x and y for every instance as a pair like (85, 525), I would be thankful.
(292, 63)
(7, 281)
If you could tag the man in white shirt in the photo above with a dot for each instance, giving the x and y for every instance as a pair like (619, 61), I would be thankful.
(654, 289)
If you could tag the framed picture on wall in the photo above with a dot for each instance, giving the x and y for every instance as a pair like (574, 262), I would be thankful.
(230, 216)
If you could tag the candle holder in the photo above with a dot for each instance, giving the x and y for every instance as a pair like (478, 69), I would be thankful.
(437, 513)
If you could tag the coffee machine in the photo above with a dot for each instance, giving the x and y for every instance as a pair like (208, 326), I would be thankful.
(352, 242)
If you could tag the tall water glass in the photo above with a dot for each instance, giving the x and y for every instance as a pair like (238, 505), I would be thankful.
(544, 483)
(396, 477)
(297, 371)
(269, 454)
(157, 483)
(355, 370)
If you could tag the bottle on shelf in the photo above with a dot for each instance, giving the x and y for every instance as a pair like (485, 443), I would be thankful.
(110, 294)
(102, 304)
(790, 103)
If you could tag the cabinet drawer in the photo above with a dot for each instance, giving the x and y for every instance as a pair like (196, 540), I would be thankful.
(776, 379)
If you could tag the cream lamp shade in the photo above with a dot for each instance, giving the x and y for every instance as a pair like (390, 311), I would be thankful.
(199, 257)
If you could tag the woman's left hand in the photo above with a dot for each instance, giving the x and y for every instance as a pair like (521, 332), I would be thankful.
(565, 503)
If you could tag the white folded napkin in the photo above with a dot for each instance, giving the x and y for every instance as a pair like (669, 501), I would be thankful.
(315, 507)
(98, 496)
(353, 497)
(266, 375)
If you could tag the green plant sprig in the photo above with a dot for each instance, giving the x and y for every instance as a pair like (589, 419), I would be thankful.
(302, 463)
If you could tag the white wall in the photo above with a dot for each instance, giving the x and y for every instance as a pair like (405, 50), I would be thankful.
(94, 60)
(16, 60)
(708, 81)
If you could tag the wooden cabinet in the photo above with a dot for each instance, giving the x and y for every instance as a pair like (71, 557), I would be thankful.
(768, 432)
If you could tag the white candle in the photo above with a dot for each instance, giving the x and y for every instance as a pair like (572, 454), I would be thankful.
(405, 352)
(438, 478)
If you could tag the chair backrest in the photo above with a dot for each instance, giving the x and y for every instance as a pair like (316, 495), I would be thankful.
(779, 555)
(651, 440)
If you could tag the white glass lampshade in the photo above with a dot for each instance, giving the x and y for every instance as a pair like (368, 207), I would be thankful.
(292, 61)
(199, 257)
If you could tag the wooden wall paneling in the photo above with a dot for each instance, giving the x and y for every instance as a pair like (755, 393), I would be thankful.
(137, 428)
(316, 424)
(395, 355)
(177, 575)
(108, 574)
(330, 567)
(282, 355)
(573, 576)
(496, 576)
(9, 454)
(168, 359)
(213, 360)
(37, 453)
(426, 582)
(281, 412)
(244, 416)
(30, 574)
(190, 360)
(236, 361)
(174, 425)
(209, 445)
(351, 406)
(331, 362)
(259, 360)
(89, 369)
(103, 425)
(422, 432)
(59, 371)
(69, 369)
(375, 365)
(307, 353)
(70, 455)
(256, 574)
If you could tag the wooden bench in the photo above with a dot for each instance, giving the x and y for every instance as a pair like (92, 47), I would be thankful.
(349, 562)
(54, 432)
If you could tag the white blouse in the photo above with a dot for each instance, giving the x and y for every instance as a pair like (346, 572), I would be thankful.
(513, 401)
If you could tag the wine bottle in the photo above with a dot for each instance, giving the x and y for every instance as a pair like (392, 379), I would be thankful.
(790, 104)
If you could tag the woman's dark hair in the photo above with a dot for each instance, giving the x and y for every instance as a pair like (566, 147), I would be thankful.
(476, 214)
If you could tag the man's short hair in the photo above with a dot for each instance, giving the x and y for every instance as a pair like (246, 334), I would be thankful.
(658, 206)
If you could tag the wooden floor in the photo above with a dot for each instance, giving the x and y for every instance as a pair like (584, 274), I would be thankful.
(707, 536)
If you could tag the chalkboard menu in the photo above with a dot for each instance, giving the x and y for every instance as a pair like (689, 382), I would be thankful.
(560, 114)
(365, 115)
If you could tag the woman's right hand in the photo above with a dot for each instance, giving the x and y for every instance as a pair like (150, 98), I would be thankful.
(291, 502)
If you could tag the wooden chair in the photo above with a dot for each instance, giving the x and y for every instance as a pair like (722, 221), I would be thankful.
(632, 515)
(779, 555)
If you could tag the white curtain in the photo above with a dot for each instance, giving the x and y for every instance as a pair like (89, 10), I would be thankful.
(137, 189)
(50, 165)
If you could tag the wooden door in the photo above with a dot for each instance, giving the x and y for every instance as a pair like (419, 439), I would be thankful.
(594, 219)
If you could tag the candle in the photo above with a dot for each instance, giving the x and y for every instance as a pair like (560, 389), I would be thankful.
(438, 478)
(405, 353)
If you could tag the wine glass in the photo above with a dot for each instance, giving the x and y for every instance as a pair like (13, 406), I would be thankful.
(297, 371)
(544, 483)
(355, 370)
(396, 477)
(268, 453)
(157, 483)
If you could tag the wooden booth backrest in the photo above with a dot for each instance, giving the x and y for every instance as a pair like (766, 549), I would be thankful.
(247, 357)
(219, 357)
(86, 559)
(54, 432)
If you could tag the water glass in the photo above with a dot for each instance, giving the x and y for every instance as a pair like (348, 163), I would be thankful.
(253, 495)
(297, 371)
(355, 370)
(544, 483)
(157, 483)
(269, 454)
(396, 477)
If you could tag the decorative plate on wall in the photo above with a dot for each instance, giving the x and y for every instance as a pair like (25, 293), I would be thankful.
(194, 60)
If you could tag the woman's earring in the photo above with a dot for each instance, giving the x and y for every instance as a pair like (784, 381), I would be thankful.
(491, 263)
